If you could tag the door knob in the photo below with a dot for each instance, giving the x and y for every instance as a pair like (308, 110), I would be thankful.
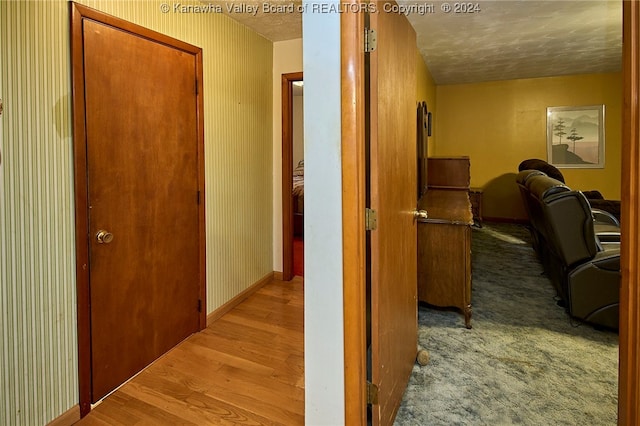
(420, 214)
(104, 237)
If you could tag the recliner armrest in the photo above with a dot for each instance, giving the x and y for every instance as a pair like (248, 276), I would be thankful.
(601, 216)
(608, 259)
(606, 234)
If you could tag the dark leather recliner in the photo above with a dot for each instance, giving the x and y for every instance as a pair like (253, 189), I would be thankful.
(596, 199)
(591, 269)
(583, 267)
(532, 192)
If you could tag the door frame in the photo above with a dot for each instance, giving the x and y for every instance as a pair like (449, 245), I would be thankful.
(287, 173)
(629, 333)
(82, 237)
(353, 221)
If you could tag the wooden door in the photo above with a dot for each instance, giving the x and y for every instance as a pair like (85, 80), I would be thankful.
(393, 195)
(144, 201)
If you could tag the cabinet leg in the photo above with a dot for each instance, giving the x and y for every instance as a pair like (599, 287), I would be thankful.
(467, 316)
(422, 357)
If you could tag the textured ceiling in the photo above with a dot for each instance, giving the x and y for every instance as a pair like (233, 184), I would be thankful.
(521, 39)
(273, 25)
(500, 40)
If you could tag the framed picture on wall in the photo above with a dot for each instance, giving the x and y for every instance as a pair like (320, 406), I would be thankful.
(422, 148)
(575, 136)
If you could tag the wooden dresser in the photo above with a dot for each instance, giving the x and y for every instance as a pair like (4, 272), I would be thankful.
(444, 237)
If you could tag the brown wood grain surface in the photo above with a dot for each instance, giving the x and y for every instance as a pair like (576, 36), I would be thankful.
(629, 373)
(444, 266)
(353, 226)
(142, 171)
(393, 180)
(448, 172)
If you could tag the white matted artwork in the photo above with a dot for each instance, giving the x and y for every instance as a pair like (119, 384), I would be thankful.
(575, 136)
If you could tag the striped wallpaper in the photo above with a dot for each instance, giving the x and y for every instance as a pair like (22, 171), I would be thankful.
(38, 361)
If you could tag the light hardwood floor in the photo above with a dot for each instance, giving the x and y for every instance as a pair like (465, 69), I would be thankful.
(246, 368)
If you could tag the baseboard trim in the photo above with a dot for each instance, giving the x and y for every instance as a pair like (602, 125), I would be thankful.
(278, 275)
(67, 418)
(213, 316)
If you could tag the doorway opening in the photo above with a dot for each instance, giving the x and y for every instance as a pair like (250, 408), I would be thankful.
(292, 176)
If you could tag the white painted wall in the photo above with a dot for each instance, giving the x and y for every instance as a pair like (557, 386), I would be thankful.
(324, 349)
(287, 58)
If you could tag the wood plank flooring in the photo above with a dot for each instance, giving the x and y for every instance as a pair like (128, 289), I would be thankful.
(247, 368)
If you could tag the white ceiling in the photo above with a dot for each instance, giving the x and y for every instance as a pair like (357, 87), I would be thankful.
(501, 40)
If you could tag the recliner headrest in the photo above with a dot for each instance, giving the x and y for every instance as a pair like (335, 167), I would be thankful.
(525, 175)
(538, 164)
(542, 186)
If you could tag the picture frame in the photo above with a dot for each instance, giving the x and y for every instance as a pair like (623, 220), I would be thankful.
(422, 147)
(575, 136)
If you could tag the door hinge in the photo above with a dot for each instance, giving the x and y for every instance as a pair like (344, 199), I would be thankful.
(197, 87)
(370, 219)
(198, 196)
(370, 40)
(199, 305)
(372, 394)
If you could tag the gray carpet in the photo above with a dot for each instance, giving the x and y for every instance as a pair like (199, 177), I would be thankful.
(523, 362)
